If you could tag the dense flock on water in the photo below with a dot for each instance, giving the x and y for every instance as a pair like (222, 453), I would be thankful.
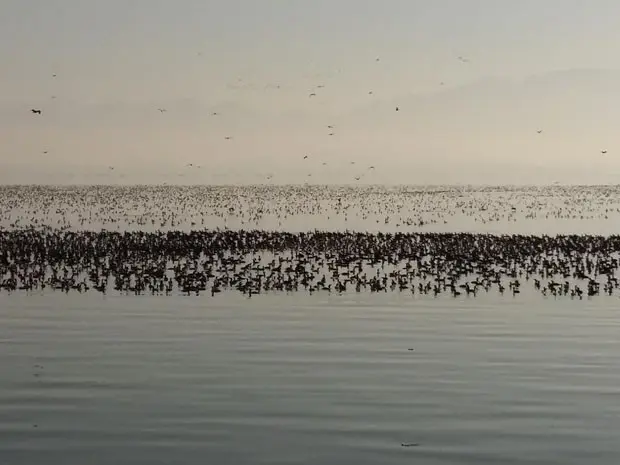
(425, 242)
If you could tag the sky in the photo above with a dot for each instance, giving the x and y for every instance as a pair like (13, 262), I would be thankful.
(474, 82)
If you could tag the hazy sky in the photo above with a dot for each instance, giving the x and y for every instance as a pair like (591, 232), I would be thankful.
(552, 65)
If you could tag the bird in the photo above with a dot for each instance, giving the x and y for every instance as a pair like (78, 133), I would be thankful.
(161, 110)
(45, 151)
(36, 111)
(305, 156)
(397, 109)
(312, 95)
(463, 60)
(228, 138)
(603, 152)
(54, 75)
(539, 131)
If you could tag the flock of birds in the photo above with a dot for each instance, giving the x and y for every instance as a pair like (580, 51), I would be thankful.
(253, 262)
(268, 178)
(293, 208)
(82, 239)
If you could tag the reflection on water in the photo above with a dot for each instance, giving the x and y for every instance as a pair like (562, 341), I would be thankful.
(299, 379)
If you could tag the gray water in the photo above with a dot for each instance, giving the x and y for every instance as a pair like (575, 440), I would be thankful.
(300, 379)
(310, 379)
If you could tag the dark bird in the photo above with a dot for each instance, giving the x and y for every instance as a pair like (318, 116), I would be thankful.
(312, 95)
(539, 131)
(35, 111)
(228, 138)
(463, 60)
(305, 156)
(45, 151)
(161, 110)
(397, 109)
(603, 152)
(410, 444)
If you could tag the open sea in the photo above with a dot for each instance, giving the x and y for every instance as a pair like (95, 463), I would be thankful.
(377, 375)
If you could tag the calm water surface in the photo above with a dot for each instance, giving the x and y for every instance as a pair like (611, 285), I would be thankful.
(299, 379)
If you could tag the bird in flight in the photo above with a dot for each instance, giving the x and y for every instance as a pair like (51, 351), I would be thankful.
(161, 110)
(35, 111)
(312, 95)
(539, 131)
(397, 109)
(228, 138)
(603, 152)
(305, 156)
(463, 60)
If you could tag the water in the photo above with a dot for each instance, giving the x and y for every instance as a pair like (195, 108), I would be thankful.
(307, 379)
(310, 379)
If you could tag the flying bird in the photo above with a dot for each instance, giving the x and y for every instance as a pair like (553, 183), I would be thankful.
(305, 156)
(539, 131)
(312, 95)
(161, 110)
(603, 152)
(35, 111)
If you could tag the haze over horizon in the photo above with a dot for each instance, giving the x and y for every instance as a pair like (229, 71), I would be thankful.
(474, 83)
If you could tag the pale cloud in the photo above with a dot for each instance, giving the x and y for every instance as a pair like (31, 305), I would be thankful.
(530, 65)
